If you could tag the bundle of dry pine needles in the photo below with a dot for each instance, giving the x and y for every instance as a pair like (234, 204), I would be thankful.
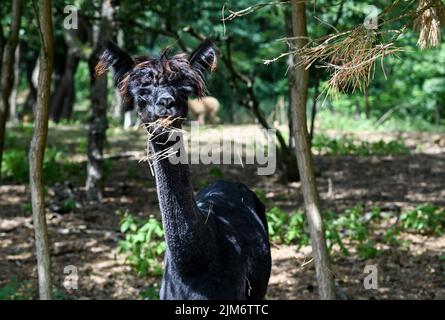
(429, 22)
(162, 126)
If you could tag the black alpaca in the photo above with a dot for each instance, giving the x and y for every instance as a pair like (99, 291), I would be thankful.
(217, 245)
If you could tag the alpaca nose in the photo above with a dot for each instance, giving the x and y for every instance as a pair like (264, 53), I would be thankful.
(166, 101)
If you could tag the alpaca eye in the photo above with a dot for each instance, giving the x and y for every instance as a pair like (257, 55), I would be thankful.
(185, 91)
(145, 92)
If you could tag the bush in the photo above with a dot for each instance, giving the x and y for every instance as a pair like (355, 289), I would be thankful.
(426, 219)
(287, 228)
(292, 229)
(144, 243)
(15, 166)
(15, 290)
(151, 293)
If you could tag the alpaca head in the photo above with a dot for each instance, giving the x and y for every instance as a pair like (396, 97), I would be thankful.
(159, 87)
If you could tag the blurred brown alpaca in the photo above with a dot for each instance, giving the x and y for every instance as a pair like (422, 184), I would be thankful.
(205, 106)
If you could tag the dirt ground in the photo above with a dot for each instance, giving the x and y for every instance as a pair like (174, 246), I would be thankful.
(87, 238)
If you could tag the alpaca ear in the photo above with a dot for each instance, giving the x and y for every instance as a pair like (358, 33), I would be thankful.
(117, 60)
(203, 58)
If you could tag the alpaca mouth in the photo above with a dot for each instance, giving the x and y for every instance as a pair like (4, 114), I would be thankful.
(165, 121)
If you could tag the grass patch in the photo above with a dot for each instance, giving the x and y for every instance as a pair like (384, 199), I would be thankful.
(341, 121)
(56, 167)
(16, 290)
(345, 146)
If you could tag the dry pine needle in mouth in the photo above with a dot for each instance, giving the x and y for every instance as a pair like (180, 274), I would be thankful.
(165, 122)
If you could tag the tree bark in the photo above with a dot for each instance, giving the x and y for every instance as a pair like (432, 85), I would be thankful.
(7, 75)
(2, 44)
(15, 88)
(314, 106)
(63, 98)
(117, 106)
(30, 64)
(299, 88)
(98, 94)
(290, 64)
(38, 145)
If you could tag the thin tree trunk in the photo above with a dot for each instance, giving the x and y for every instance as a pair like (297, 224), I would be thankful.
(7, 79)
(28, 108)
(299, 87)
(15, 87)
(117, 107)
(2, 44)
(314, 106)
(290, 64)
(98, 93)
(37, 148)
(63, 98)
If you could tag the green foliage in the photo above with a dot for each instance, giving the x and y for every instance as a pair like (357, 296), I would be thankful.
(391, 236)
(413, 80)
(332, 232)
(151, 293)
(27, 207)
(367, 250)
(15, 290)
(425, 219)
(56, 167)
(352, 227)
(347, 146)
(144, 243)
(287, 228)
(23, 290)
(349, 225)
(81, 145)
(216, 172)
(132, 172)
(15, 166)
(292, 229)
(68, 205)
(58, 294)
(261, 195)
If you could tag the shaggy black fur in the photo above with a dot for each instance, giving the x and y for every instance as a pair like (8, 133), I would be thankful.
(217, 245)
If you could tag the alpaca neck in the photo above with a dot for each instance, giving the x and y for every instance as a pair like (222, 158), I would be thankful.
(186, 232)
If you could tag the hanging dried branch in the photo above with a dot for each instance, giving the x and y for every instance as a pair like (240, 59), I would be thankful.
(236, 14)
(350, 60)
(349, 57)
(429, 22)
